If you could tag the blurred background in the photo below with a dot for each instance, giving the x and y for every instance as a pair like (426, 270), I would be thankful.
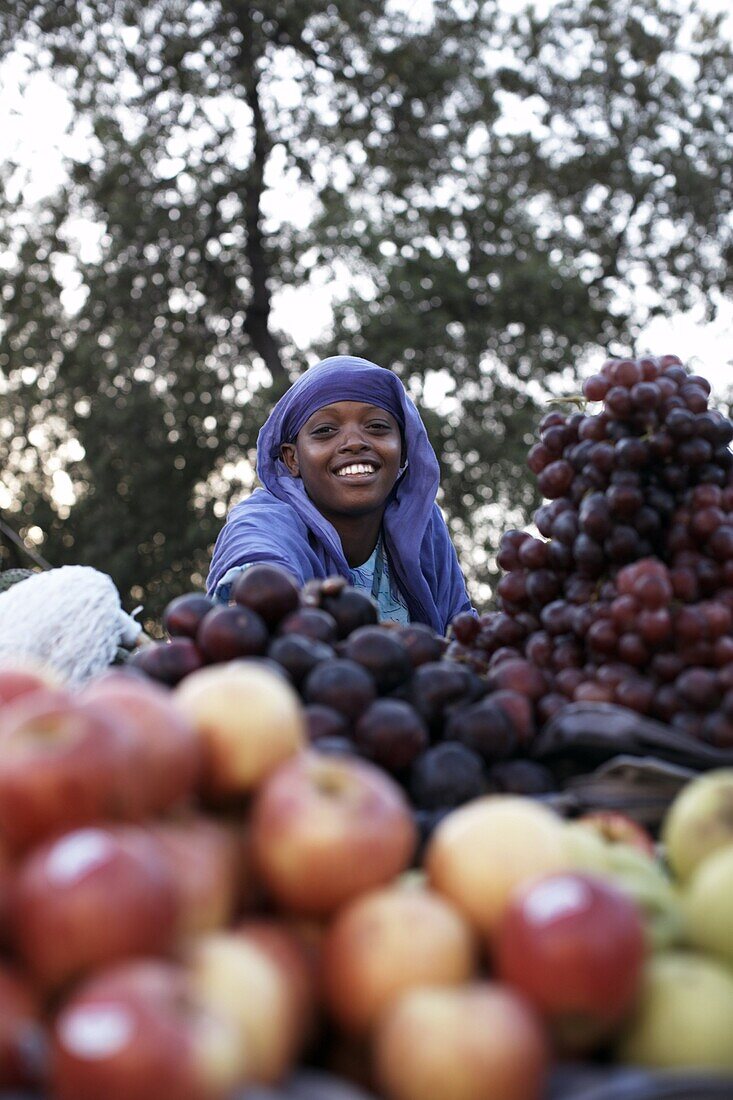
(200, 199)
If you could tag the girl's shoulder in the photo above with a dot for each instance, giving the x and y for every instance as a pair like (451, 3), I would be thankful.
(264, 505)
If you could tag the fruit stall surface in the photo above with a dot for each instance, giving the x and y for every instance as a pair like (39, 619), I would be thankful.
(292, 853)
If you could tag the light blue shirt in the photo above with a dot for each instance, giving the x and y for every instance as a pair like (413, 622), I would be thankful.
(373, 577)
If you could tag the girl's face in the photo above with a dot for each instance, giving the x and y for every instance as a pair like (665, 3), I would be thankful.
(348, 455)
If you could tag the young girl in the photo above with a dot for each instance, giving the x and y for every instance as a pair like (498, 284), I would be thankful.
(349, 480)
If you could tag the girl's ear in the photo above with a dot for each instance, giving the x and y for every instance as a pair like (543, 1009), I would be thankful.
(289, 456)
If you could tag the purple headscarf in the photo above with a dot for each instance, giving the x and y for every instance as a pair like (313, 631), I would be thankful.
(281, 524)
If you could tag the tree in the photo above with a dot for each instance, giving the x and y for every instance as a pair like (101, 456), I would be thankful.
(490, 196)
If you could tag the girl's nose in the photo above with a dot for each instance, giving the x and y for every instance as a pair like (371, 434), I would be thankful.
(353, 438)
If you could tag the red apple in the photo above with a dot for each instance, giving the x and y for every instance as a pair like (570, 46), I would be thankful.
(327, 828)
(467, 1042)
(137, 1032)
(239, 979)
(387, 941)
(6, 879)
(618, 828)
(575, 946)
(62, 765)
(21, 1032)
(17, 680)
(250, 720)
(287, 946)
(91, 897)
(209, 868)
(171, 752)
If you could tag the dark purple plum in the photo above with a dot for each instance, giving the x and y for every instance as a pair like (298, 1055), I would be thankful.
(298, 654)
(483, 727)
(421, 643)
(312, 622)
(323, 721)
(183, 615)
(446, 775)
(267, 589)
(379, 650)
(228, 632)
(351, 609)
(437, 685)
(522, 777)
(167, 662)
(341, 684)
(391, 733)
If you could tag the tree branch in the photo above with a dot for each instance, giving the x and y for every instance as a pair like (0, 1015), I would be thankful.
(258, 313)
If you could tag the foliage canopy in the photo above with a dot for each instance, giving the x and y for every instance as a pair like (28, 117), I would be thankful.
(487, 197)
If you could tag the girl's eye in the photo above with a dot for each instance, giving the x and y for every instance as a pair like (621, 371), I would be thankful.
(322, 429)
(379, 425)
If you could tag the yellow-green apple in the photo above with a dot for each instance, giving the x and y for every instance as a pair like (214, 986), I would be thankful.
(575, 946)
(62, 765)
(643, 877)
(208, 867)
(171, 752)
(707, 903)
(469, 1042)
(480, 852)
(22, 679)
(88, 898)
(699, 820)
(240, 980)
(684, 1018)
(327, 828)
(21, 1031)
(137, 1032)
(387, 941)
(250, 720)
(618, 828)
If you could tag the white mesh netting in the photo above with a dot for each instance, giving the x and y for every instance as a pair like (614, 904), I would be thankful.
(68, 618)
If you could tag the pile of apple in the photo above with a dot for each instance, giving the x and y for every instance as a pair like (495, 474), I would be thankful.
(195, 903)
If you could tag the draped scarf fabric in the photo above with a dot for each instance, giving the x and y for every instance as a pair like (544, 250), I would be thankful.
(280, 524)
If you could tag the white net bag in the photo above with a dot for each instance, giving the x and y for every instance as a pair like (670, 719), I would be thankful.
(69, 619)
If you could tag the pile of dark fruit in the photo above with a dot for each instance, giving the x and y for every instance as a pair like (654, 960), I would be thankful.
(386, 692)
(628, 595)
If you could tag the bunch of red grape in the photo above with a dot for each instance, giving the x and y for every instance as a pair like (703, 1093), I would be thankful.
(628, 596)
(382, 691)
